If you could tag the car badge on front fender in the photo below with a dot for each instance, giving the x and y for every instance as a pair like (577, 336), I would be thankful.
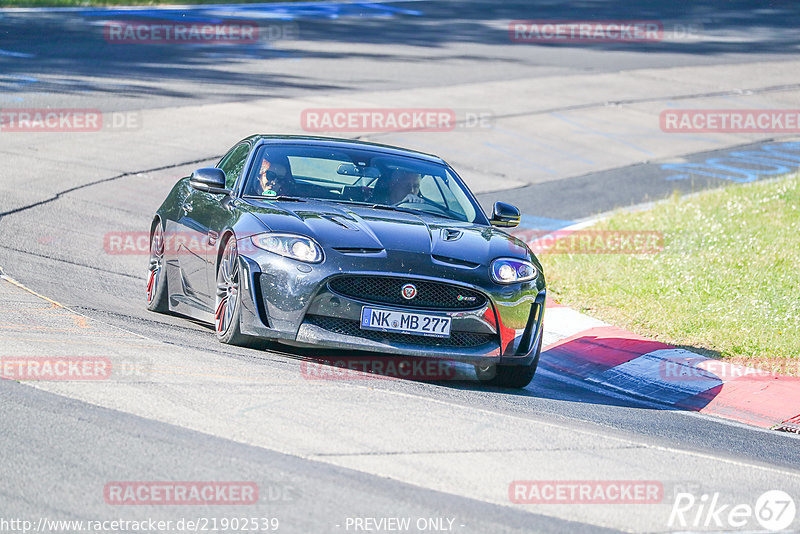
(408, 291)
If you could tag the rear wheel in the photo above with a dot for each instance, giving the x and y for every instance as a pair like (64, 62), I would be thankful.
(229, 298)
(157, 294)
(509, 376)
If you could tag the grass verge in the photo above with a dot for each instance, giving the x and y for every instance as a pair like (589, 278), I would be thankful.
(727, 281)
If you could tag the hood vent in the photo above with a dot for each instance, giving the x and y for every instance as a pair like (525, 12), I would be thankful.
(341, 221)
(455, 261)
(358, 250)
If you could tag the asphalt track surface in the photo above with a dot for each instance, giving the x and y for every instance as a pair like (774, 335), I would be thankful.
(326, 451)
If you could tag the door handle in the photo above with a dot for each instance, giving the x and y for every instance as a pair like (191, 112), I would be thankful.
(187, 208)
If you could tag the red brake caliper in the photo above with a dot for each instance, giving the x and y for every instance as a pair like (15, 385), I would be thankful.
(150, 285)
(220, 311)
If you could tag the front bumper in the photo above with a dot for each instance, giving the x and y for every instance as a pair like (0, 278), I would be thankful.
(290, 302)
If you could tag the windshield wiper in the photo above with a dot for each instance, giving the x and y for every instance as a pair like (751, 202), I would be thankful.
(411, 211)
(394, 208)
(389, 207)
(285, 198)
(356, 202)
(378, 206)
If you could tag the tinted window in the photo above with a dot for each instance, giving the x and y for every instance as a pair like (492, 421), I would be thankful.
(359, 176)
(233, 162)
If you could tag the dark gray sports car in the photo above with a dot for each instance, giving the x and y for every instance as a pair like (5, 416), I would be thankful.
(342, 244)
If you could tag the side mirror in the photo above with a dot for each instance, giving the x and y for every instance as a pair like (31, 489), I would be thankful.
(210, 180)
(505, 215)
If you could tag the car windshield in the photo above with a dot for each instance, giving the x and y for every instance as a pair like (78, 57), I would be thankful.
(359, 177)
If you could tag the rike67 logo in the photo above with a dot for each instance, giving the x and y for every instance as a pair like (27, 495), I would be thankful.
(774, 510)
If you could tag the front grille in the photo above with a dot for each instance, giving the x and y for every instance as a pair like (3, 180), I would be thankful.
(347, 327)
(387, 290)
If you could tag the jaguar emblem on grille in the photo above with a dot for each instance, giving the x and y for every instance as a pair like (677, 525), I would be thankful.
(465, 298)
(409, 291)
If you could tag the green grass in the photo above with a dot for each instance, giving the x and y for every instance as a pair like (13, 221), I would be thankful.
(727, 281)
(100, 3)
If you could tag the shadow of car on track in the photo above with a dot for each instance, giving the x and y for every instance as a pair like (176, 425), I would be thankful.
(568, 372)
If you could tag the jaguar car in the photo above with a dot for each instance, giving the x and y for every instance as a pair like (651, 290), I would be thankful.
(346, 245)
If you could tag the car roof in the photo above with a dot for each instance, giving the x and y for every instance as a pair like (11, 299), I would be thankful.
(345, 143)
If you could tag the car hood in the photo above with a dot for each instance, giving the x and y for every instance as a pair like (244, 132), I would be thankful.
(352, 227)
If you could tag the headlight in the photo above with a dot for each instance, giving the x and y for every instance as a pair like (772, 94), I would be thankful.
(510, 270)
(292, 246)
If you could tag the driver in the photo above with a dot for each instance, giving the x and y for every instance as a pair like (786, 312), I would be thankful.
(275, 177)
(402, 187)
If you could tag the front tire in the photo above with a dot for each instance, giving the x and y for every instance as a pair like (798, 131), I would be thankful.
(509, 376)
(229, 298)
(157, 294)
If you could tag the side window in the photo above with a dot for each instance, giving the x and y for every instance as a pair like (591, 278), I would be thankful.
(233, 162)
(430, 190)
(455, 199)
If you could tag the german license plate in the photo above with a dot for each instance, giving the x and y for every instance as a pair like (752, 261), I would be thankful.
(420, 324)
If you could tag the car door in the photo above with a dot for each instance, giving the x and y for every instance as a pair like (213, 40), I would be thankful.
(218, 214)
(201, 217)
(191, 239)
